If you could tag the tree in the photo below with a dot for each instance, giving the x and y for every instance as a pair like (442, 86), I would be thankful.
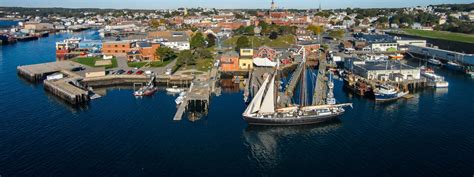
(198, 41)
(185, 57)
(242, 42)
(202, 54)
(211, 40)
(155, 23)
(338, 34)
(273, 35)
(165, 53)
(317, 30)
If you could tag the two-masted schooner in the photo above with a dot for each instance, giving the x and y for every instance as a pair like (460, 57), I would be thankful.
(264, 110)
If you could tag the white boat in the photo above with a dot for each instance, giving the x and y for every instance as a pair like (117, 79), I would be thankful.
(433, 79)
(174, 89)
(434, 61)
(180, 98)
(388, 93)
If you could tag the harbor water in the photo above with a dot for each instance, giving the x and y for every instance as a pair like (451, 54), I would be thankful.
(431, 134)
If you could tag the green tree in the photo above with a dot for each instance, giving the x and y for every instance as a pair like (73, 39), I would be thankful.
(165, 53)
(198, 41)
(185, 57)
(273, 35)
(338, 34)
(242, 42)
(202, 54)
(211, 40)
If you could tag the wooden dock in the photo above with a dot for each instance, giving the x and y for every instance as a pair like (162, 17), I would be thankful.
(295, 78)
(199, 91)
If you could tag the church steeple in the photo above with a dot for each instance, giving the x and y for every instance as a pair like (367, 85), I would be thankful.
(273, 6)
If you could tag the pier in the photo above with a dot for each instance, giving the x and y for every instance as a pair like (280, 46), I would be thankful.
(295, 78)
(38, 72)
(198, 93)
(320, 92)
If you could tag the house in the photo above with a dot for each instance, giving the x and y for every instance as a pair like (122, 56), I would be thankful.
(229, 61)
(246, 59)
(265, 52)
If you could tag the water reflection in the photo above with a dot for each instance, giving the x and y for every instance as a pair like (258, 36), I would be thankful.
(264, 141)
(72, 108)
(231, 86)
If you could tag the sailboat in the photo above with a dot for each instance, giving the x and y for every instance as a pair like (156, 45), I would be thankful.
(262, 109)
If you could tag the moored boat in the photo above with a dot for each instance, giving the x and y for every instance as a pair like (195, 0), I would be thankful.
(386, 92)
(434, 61)
(263, 110)
(174, 89)
(454, 66)
(147, 90)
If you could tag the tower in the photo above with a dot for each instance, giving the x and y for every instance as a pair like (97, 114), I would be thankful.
(273, 6)
(320, 9)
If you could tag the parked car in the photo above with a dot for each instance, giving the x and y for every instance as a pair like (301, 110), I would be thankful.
(129, 72)
(139, 72)
(80, 68)
(120, 71)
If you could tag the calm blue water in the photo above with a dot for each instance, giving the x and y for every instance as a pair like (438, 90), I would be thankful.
(118, 135)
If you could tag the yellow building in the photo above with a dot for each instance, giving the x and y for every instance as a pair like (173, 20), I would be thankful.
(246, 63)
(246, 53)
(246, 59)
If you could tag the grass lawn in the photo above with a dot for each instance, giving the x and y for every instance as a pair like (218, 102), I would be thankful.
(460, 37)
(281, 42)
(90, 61)
(204, 65)
(151, 64)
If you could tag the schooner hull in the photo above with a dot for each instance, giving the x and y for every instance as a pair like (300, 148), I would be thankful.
(301, 120)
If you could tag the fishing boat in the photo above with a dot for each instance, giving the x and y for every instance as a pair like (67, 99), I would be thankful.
(263, 109)
(454, 66)
(434, 61)
(387, 92)
(147, 90)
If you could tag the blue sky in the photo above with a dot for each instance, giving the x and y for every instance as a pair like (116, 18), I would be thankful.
(165, 4)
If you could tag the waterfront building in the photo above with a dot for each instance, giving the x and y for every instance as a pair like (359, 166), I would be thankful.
(229, 61)
(265, 52)
(143, 51)
(178, 40)
(403, 43)
(430, 52)
(116, 47)
(383, 70)
(379, 43)
(246, 59)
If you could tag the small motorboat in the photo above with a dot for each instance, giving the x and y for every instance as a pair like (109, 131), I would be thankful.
(174, 89)
(180, 98)
(434, 61)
